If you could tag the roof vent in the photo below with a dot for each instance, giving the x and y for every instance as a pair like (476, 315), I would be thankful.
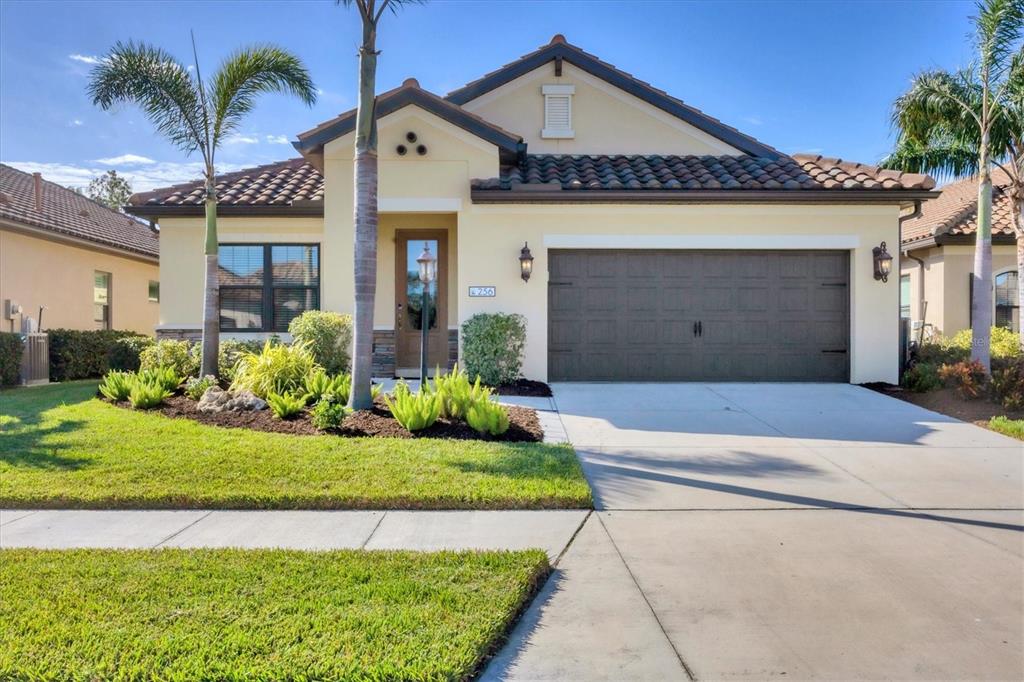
(558, 111)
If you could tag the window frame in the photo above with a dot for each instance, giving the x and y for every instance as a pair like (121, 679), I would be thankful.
(906, 305)
(149, 291)
(108, 321)
(267, 287)
(550, 92)
(1014, 302)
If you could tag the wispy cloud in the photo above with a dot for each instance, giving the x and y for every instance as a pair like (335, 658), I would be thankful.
(85, 58)
(754, 120)
(126, 160)
(242, 139)
(75, 123)
(158, 174)
(276, 139)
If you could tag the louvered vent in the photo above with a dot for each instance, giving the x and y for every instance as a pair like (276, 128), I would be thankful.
(558, 111)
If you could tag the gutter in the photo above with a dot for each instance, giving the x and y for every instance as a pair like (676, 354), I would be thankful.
(672, 196)
(921, 303)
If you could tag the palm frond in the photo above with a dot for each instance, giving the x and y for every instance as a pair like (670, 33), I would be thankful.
(998, 28)
(141, 74)
(944, 161)
(937, 100)
(251, 72)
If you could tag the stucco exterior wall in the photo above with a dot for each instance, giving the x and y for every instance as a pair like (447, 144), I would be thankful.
(41, 272)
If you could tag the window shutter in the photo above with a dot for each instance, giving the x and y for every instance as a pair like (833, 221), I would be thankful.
(558, 111)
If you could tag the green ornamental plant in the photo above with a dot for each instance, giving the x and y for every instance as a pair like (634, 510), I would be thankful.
(169, 353)
(414, 411)
(286, 405)
(124, 353)
(11, 347)
(165, 377)
(328, 413)
(487, 416)
(492, 347)
(329, 336)
(196, 387)
(922, 377)
(117, 385)
(319, 384)
(457, 394)
(145, 395)
(275, 369)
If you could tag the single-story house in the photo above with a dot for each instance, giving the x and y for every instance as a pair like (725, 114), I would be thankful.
(936, 273)
(666, 244)
(86, 266)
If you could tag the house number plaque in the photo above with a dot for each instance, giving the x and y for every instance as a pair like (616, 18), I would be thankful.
(482, 292)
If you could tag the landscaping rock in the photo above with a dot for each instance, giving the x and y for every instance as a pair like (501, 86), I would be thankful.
(216, 399)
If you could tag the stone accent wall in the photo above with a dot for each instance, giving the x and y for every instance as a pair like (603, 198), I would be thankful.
(384, 353)
(195, 335)
(453, 347)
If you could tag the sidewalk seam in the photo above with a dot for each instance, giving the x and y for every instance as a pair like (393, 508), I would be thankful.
(572, 538)
(372, 532)
(182, 530)
(19, 518)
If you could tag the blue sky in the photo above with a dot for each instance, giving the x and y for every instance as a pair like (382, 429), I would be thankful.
(800, 76)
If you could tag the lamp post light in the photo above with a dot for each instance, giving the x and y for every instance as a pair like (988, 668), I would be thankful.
(428, 271)
(525, 262)
(883, 262)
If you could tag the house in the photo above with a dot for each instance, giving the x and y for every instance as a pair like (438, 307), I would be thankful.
(666, 244)
(936, 272)
(80, 263)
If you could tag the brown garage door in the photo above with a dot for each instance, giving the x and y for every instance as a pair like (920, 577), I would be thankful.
(698, 315)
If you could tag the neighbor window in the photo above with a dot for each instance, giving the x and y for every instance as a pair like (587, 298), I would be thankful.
(1007, 303)
(154, 290)
(101, 299)
(905, 296)
(558, 111)
(264, 286)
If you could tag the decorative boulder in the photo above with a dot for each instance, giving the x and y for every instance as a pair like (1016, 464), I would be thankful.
(216, 399)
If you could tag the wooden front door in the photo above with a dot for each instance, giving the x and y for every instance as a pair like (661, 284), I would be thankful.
(409, 297)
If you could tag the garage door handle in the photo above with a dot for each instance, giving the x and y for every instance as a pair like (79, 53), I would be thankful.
(695, 329)
(839, 350)
(700, 328)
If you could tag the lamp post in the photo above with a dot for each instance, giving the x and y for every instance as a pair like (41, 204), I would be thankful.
(428, 270)
(883, 262)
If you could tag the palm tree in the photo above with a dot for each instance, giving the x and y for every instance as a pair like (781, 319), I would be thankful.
(197, 115)
(365, 266)
(958, 124)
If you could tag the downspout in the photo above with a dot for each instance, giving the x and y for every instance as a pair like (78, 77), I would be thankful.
(921, 303)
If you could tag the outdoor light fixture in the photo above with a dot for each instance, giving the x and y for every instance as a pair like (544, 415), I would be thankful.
(883, 262)
(526, 262)
(428, 271)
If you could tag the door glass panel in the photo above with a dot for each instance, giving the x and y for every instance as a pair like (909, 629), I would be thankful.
(413, 287)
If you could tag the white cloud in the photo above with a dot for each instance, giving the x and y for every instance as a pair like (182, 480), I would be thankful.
(159, 174)
(753, 120)
(277, 139)
(242, 139)
(75, 123)
(85, 58)
(126, 160)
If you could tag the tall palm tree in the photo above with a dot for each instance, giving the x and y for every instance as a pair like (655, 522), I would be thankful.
(366, 180)
(197, 116)
(960, 123)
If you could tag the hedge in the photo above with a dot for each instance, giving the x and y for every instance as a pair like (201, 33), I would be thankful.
(11, 347)
(76, 354)
(492, 347)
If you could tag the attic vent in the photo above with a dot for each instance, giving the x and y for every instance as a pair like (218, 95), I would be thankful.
(558, 111)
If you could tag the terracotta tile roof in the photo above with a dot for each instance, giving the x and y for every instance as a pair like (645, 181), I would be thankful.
(653, 172)
(66, 212)
(955, 211)
(275, 184)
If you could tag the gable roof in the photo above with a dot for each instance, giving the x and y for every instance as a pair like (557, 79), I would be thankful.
(955, 213)
(65, 212)
(558, 49)
(312, 141)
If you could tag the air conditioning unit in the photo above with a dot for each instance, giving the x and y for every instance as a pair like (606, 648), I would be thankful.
(35, 359)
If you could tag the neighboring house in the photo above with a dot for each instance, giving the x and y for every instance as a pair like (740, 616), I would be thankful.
(667, 245)
(89, 267)
(937, 269)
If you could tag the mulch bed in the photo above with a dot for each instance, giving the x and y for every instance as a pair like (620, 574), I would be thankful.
(948, 402)
(523, 423)
(525, 387)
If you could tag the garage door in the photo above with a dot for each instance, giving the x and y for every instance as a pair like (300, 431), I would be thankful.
(698, 315)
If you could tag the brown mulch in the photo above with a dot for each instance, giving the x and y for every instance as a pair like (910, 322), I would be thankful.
(948, 402)
(525, 387)
(378, 422)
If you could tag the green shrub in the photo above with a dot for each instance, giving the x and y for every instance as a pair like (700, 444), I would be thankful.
(328, 414)
(1007, 383)
(487, 416)
(166, 377)
(275, 369)
(125, 352)
(414, 411)
(286, 405)
(11, 347)
(76, 354)
(329, 336)
(319, 384)
(170, 353)
(195, 387)
(492, 347)
(957, 348)
(117, 385)
(145, 395)
(922, 377)
(228, 353)
(457, 394)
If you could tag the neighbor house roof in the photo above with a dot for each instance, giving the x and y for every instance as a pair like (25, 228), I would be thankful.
(955, 213)
(67, 213)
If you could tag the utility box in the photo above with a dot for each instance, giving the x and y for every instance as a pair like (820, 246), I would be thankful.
(35, 359)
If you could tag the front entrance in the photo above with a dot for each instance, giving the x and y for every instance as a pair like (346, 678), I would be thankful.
(409, 315)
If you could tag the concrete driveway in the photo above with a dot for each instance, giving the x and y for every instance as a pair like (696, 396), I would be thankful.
(766, 530)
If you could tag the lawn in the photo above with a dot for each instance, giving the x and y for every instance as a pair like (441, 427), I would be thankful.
(1009, 427)
(61, 447)
(257, 614)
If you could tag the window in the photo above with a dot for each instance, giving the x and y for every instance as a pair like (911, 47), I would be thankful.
(558, 111)
(905, 296)
(264, 286)
(101, 299)
(1007, 303)
(154, 291)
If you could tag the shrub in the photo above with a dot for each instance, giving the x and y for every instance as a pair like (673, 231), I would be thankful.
(414, 411)
(492, 347)
(170, 353)
(457, 394)
(228, 353)
(11, 347)
(287, 405)
(329, 336)
(76, 354)
(487, 416)
(195, 387)
(328, 414)
(117, 385)
(166, 377)
(951, 350)
(319, 384)
(967, 377)
(922, 377)
(145, 395)
(275, 369)
(1007, 384)
(125, 352)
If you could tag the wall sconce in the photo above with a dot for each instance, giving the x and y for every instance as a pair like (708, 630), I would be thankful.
(883, 262)
(526, 262)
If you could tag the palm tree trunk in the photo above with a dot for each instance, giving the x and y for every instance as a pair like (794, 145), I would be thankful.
(365, 217)
(211, 301)
(981, 303)
(1018, 219)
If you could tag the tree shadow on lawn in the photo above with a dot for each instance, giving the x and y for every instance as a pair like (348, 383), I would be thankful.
(23, 439)
(526, 461)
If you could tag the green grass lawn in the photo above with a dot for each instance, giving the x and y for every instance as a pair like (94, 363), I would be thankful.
(1010, 427)
(61, 447)
(257, 614)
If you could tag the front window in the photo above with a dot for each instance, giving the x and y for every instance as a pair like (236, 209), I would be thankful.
(101, 299)
(905, 296)
(1007, 303)
(264, 286)
(154, 291)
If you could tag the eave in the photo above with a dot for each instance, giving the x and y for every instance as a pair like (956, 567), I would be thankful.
(501, 196)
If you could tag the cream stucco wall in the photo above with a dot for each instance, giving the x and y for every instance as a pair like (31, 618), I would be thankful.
(36, 271)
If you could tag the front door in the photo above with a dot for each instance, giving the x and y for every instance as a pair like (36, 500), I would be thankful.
(409, 302)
